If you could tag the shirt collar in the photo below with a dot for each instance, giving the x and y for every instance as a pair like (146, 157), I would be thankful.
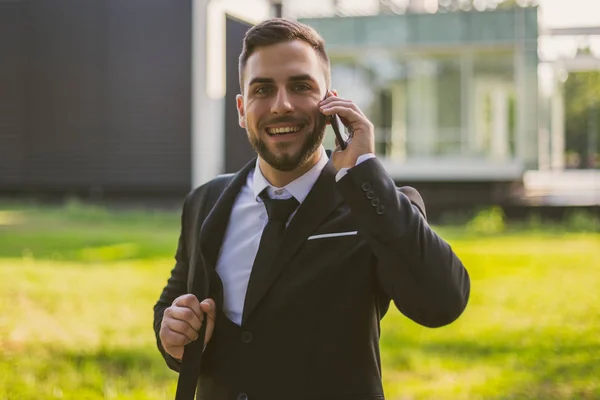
(298, 188)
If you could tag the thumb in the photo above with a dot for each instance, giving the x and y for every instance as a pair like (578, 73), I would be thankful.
(208, 306)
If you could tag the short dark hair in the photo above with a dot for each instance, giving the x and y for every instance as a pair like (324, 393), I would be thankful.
(281, 30)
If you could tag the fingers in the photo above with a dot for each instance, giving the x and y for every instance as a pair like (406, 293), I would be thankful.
(208, 306)
(349, 112)
(336, 101)
(180, 325)
(171, 338)
(182, 322)
(361, 132)
(174, 341)
(184, 314)
(189, 301)
(345, 112)
(175, 328)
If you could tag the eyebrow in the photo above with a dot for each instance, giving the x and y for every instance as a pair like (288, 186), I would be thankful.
(294, 78)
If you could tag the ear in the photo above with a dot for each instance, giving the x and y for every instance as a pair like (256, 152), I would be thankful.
(239, 99)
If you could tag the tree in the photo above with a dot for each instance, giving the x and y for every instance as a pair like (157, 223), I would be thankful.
(582, 115)
(482, 5)
(517, 3)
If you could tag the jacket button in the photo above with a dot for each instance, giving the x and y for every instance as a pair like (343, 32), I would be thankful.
(370, 194)
(366, 186)
(242, 396)
(380, 210)
(246, 337)
(375, 202)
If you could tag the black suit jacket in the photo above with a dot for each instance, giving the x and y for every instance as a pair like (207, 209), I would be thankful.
(313, 332)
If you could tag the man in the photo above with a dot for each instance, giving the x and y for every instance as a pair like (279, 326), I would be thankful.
(293, 312)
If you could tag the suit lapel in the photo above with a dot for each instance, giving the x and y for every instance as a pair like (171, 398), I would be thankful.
(213, 229)
(320, 202)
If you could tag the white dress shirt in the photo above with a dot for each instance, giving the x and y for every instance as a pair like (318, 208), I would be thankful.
(246, 224)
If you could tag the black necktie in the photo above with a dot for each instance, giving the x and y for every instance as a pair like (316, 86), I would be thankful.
(279, 212)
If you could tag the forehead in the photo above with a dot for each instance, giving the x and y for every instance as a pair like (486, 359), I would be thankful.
(282, 60)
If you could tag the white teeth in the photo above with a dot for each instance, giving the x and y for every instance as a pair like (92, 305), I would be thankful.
(287, 129)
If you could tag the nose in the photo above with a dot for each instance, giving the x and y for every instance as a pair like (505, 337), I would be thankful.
(281, 103)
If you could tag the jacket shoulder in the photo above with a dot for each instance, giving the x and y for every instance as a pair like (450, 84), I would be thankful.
(415, 198)
(209, 191)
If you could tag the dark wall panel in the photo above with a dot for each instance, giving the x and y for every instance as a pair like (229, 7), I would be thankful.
(95, 95)
(237, 149)
(149, 93)
(12, 85)
(64, 97)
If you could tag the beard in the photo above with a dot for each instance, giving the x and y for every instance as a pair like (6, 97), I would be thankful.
(289, 161)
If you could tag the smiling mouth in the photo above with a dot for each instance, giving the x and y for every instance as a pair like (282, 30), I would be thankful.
(283, 130)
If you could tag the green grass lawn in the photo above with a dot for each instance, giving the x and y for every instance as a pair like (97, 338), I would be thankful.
(77, 287)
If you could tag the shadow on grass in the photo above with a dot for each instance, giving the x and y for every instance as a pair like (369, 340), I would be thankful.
(547, 367)
(86, 234)
(87, 247)
(480, 349)
(106, 373)
(122, 362)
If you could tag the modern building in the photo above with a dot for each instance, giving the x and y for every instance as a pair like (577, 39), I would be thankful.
(453, 96)
(137, 97)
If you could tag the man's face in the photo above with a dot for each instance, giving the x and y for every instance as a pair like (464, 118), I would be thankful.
(283, 85)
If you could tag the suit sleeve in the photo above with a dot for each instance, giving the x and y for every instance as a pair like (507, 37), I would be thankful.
(416, 268)
(176, 286)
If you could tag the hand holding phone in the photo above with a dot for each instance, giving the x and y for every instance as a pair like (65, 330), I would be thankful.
(354, 139)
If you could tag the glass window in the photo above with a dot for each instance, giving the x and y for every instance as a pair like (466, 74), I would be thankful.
(494, 106)
(428, 105)
(434, 107)
(369, 85)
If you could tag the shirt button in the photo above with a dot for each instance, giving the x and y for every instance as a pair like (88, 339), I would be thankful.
(375, 202)
(380, 210)
(242, 396)
(278, 192)
(366, 186)
(246, 337)
(370, 194)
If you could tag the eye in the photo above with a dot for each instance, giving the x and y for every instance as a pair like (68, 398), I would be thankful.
(302, 87)
(263, 90)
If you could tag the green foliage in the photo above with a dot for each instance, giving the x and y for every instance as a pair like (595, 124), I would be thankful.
(492, 221)
(574, 221)
(583, 222)
(582, 96)
(508, 4)
(488, 221)
(481, 5)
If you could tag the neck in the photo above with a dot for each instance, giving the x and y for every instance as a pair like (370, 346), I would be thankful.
(279, 178)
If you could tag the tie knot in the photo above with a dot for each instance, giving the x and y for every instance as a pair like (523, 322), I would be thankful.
(279, 210)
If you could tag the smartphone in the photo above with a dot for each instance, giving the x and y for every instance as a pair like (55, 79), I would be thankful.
(339, 129)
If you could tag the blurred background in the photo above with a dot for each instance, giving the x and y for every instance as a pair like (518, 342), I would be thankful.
(112, 110)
